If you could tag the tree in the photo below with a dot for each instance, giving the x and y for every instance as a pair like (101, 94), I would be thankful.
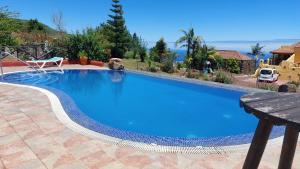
(135, 45)
(161, 48)
(58, 21)
(195, 49)
(35, 25)
(6, 30)
(104, 33)
(186, 41)
(193, 44)
(205, 53)
(5, 13)
(159, 51)
(167, 64)
(142, 49)
(256, 51)
(120, 36)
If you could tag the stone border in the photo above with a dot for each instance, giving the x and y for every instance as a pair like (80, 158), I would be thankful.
(65, 119)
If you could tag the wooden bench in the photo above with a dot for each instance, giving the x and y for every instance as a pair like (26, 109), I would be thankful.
(272, 108)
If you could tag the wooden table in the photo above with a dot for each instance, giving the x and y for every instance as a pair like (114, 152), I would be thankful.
(273, 108)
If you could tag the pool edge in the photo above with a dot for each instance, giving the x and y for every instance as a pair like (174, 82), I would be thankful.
(65, 119)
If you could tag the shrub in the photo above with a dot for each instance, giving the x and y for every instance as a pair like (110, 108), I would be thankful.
(193, 74)
(129, 55)
(88, 41)
(143, 53)
(152, 69)
(167, 67)
(290, 88)
(82, 54)
(180, 65)
(7, 39)
(295, 83)
(73, 45)
(223, 77)
(206, 77)
(218, 62)
(266, 86)
(167, 64)
(233, 65)
(190, 74)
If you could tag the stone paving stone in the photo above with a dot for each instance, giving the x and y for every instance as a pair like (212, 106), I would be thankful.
(8, 139)
(14, 159)
(97, 159)
(12, 117)
(59, 159)
(116, 165)
(12, 147)
(1, 164)
(137, 161)
(3, 123)
(4, 131)
(30, 164)
(73, 165)
(32, 137)
(83, 149)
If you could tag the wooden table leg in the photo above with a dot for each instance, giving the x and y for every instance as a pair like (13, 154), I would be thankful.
(258, 144)
(288, 148)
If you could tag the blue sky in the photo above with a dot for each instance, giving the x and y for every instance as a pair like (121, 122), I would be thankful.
(214, 20)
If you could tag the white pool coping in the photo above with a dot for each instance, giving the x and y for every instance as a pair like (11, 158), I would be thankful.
(60, 113)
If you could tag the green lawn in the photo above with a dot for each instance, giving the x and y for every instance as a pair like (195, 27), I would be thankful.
(136, 64)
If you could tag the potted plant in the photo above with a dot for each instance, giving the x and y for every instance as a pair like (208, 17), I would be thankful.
(83, 57)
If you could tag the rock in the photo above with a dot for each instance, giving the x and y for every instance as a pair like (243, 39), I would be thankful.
(287, 88)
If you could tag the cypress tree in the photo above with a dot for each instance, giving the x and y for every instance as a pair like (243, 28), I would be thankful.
(120, 37)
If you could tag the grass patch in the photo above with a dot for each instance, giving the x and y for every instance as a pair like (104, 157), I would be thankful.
(136, 64)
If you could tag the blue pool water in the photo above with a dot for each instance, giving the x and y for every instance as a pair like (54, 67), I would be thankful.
(145, 108)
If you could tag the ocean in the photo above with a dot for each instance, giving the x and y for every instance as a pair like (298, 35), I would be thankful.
(243, 47)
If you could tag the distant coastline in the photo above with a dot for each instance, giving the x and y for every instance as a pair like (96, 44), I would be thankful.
(257, 41)
(243, 46)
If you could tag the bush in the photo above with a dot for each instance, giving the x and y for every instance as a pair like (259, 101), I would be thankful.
(7, 39)
(190, 74)
(233, 66)
(206, 77)
(223, 77)
(117, 52)
(152, 69)
(290, 88)
(88, 41)
(295, 83)
(193, 74)
(143, 53)
(180, 66)
(129, 55)
(267, 86)
(82, 54)
(167, 65)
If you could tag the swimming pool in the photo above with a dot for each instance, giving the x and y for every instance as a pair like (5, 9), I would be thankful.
(148, 109)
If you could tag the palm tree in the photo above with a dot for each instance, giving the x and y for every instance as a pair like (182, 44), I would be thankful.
(195, 49)
(186, 40)
(196, 45)
(256, 50)
(206, 53)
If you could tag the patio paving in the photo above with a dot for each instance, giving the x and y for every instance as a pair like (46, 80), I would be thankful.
(32, 137)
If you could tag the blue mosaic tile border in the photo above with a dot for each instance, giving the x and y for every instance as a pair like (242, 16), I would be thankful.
(80, 118)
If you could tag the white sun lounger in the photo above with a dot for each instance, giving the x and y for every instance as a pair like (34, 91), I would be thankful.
(42, 63)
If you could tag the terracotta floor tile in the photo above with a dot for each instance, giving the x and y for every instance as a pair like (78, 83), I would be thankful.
(31, 137)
